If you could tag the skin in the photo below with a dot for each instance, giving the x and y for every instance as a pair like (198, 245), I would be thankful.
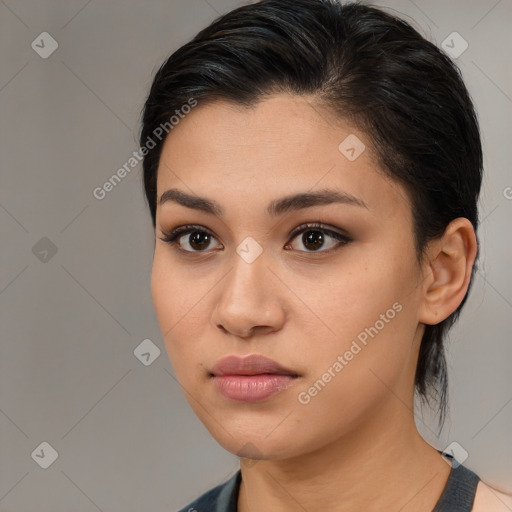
(355, 445)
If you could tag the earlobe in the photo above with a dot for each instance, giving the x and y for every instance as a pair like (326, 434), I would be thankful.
(448, 266)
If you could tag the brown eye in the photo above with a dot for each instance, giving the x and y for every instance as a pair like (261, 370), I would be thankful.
(199, 240)
(313, 240)
(316, 237)
(189, 239)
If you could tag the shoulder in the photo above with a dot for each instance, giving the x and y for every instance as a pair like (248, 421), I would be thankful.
(221, 498)
(490, 499)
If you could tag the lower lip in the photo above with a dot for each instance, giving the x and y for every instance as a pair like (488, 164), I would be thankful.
(251, 388)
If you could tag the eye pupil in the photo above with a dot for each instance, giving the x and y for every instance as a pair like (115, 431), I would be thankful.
(200, 238)
(313, 237)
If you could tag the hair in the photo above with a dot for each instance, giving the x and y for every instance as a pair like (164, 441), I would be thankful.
(368, 67)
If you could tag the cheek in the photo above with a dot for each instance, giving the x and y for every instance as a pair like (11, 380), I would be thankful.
(359, 371)
(365, 312)
(346, 299)
(164, 293)
(177, 306)
(176, 291)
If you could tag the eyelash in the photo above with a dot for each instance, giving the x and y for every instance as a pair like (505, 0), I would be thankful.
(174, 236)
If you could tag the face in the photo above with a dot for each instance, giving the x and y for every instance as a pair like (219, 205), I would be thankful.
(326, 286)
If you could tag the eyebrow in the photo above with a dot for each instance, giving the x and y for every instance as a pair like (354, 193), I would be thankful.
(276, 207)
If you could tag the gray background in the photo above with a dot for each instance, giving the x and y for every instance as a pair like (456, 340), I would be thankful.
(70, 321)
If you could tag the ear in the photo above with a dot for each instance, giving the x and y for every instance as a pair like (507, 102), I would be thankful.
(447, 268)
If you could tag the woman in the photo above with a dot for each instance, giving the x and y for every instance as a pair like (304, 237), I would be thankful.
(312, 171)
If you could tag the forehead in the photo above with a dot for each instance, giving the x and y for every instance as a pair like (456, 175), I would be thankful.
(281, 125)
(280, 145)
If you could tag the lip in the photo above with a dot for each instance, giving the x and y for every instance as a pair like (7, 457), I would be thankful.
(249, 365)
(250, 379)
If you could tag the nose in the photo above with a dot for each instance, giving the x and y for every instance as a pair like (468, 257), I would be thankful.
(250, 300)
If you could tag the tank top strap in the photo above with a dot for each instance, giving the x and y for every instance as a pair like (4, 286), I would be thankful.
(459, 492)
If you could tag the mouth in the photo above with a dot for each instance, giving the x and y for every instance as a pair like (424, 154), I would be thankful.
(251, 379)
(250, 365)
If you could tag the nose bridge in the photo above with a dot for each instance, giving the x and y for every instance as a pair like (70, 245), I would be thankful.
(248, 282)
(248, 297)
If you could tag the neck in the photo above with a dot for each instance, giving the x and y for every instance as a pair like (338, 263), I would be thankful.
(369, 469)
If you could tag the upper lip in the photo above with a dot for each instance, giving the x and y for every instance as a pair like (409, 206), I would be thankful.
(249, 365)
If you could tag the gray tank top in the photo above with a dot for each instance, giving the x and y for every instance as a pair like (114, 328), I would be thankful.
(458, 494)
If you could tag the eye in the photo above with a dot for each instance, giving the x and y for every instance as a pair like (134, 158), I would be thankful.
(315, 236)
(197, 241)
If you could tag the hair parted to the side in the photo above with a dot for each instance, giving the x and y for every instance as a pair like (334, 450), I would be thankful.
(368, 67)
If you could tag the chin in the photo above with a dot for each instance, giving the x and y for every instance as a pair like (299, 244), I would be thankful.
(263, 444)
